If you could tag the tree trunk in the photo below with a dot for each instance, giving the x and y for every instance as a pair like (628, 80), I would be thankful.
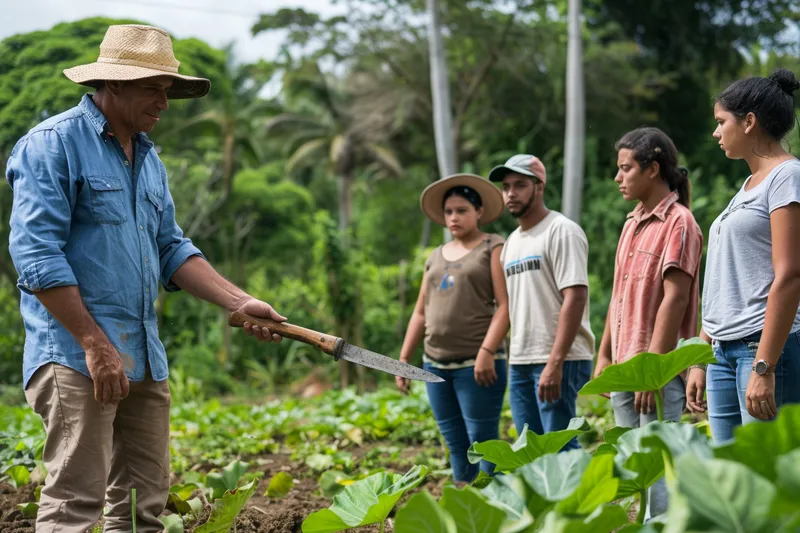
(227, 169)
(440, 90)
(345, 180)
(575, 128)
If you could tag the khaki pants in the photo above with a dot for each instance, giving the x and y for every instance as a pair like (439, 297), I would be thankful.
(94, 453)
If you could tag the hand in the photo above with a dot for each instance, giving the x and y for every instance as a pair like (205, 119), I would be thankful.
(761, 396)
(402, 383)
(259, 309)
(485, 375)
(105, 366)
(695, 387)
(550, 383)
(644, 402)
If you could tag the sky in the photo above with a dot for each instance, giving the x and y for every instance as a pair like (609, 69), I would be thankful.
(216, 22)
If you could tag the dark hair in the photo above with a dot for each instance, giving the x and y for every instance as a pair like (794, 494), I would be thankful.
(653, 145)
(467, 193)
(771, 100)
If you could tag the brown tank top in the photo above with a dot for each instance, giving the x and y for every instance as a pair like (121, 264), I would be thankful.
(459, 302)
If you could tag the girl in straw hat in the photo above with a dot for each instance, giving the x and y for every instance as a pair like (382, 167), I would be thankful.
(462, 312)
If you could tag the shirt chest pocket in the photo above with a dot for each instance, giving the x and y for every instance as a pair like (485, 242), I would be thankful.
(107, 199)
(647, 265)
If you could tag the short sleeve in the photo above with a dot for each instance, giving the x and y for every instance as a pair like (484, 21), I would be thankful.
(684, 248)
(570, 252)
(495, 240)
(784, 189)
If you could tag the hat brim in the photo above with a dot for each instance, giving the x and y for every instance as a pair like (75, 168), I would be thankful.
(94, 74)
(432, 199)
(500, 172)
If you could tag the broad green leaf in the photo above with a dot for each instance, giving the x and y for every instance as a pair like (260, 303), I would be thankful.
(508, 492)
(319, 462)
(639, 528)
(367, 501)
(482, 480)
(787, 500)
(555, 476)
(184, 490)
(422, 514)
(227, 508)
(471, 511)
(598, 486)
(528, 447)
(673, 438)
(20, 476)
(227, 480)
(755, 444)
(641, 463)
(332, 482)
(612, 435)
(173, 523)
(721, 495)
(280, 485)
(604, 520)
(29, 510)
(648, 371)
(181, 505)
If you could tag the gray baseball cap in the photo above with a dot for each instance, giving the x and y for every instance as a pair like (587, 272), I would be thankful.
(520, 164)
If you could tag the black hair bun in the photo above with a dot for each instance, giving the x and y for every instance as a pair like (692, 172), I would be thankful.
(786, 81)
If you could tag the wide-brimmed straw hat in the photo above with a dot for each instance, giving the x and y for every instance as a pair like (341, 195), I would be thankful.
(432, 199)
(134, 52)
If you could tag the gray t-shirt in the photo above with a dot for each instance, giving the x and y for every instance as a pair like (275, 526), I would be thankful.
(739, 270)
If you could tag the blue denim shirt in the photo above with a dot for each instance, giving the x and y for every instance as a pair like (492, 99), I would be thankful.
(83, 215)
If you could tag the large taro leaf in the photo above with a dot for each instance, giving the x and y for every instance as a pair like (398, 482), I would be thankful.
(597, 487)
(19, 475)
(648, 371)
(367, 501)
(227, 508)
(509, 493)
(173, 523)
(640, 463)
(423, 514)
(719, 496)
(227, 480)
(787, 501)
(280, 485)
(527, 448)
(471, 511)
(556, 476)
(603, 520)
(756, 445)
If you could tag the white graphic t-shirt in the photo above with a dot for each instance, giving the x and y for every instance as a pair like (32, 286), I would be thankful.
(539, 263)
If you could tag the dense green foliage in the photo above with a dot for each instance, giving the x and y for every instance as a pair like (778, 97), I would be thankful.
(265, 185)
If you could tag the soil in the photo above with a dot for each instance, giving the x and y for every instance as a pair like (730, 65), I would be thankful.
(260, 515)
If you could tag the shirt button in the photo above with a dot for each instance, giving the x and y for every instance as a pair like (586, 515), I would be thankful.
(126, 163)
(141, 227)
(625, 276)
(146, 259)
(630, 254)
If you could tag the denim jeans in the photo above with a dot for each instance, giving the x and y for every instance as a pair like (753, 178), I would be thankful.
(543, 417)
(727, 379)
(626, 416)
(466, 413)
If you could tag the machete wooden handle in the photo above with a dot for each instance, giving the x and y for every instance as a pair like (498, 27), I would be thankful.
(327, 343)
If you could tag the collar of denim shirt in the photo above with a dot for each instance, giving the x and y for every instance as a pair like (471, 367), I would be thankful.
(100, 124)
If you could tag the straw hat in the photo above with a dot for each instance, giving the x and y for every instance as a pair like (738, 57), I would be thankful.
(134, 52)
(432, 199)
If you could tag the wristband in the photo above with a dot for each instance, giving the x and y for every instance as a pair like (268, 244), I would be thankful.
(700, 365)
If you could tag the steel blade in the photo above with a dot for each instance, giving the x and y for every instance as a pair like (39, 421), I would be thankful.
(363, 357)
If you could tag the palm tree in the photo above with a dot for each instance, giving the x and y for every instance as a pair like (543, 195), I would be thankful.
(323, 130)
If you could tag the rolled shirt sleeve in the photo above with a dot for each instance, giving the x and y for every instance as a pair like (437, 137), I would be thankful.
(41, 213)
(173, 247)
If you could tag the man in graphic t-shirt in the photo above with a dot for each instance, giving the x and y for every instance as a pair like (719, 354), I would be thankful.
(545, 261)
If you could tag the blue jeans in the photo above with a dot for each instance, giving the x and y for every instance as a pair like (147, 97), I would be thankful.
(727, 379)
(544, 417)
(467, 413)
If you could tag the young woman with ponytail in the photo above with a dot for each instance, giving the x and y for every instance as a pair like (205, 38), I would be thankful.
(752, 278)
(654, 302)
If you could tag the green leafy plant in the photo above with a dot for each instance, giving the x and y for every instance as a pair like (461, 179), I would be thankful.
(368, 501)
(227, 508)
(280, 485)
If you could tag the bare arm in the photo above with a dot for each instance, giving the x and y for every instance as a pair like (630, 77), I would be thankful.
(104, 362)
(416, 325)
(604, 353)
(197, 277)
(498, 328)
(677, 287)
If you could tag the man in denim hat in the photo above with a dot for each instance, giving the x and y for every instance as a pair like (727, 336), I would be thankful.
(545, 262)
(93, 233)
